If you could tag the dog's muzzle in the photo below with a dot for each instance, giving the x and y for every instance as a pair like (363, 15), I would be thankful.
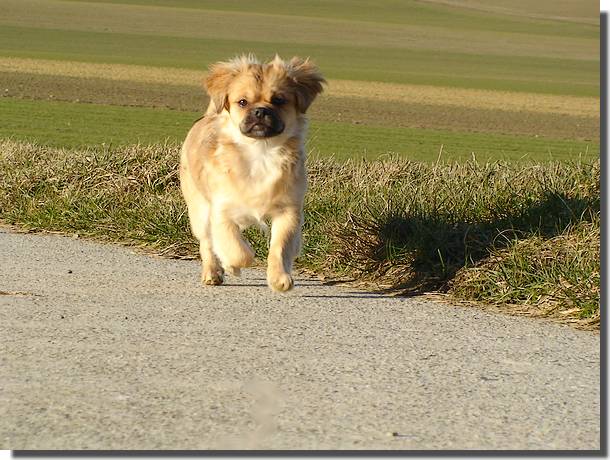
(261, 122)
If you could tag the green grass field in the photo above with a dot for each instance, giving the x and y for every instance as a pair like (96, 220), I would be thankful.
(69, 124)
(529, 51)
(413, 12)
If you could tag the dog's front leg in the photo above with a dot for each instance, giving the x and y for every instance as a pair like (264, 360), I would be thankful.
(284, 247)
(234, 253)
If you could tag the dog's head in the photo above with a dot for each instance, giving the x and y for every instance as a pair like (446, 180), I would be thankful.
(264, 100)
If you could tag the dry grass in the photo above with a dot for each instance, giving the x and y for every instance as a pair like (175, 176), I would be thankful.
(556, 277)
(129, 195)
(525, 235)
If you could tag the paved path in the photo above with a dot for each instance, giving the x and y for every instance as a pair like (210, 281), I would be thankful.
(106, 349)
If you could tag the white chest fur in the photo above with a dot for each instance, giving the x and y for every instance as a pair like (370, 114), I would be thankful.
(254, 190)
(264, 163)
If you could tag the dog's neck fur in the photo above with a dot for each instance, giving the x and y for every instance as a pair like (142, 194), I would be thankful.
(266, 162)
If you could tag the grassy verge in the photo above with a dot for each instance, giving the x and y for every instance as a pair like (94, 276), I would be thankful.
(510, 234)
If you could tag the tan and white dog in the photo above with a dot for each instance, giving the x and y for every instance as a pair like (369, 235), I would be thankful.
(244, 162)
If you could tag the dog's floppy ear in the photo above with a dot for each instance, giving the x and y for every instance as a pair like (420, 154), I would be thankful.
(307, 79)
(217, 84)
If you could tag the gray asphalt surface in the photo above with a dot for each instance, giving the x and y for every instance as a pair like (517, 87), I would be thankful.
(103, 348)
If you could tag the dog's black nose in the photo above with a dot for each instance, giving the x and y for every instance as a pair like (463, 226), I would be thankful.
(260, 112)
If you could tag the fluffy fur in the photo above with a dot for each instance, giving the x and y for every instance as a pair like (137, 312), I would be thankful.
(244, 162)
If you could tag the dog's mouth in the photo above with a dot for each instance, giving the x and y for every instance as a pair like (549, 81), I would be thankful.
(261, 122)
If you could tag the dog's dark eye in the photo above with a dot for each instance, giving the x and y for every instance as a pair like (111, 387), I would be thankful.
(278, 100)
(242, 103)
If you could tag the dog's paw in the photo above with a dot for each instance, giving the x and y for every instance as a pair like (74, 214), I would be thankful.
(280, 282)
(212, 276)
